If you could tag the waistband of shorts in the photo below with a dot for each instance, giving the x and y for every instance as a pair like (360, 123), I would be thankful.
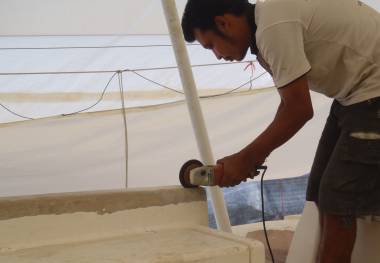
(367, 103)
(375, 101)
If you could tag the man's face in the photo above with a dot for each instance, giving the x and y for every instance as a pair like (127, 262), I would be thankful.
(227, 47)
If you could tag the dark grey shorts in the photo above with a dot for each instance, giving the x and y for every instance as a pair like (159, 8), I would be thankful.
(345, 176)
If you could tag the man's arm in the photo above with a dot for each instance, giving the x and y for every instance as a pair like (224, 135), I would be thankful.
(293, 112)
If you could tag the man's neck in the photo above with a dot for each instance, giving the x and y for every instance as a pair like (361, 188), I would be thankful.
(250, 15)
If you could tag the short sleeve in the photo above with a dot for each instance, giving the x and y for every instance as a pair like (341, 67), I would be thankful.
(282, 47)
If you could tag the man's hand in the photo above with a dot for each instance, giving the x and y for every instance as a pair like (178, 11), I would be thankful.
(238, 167)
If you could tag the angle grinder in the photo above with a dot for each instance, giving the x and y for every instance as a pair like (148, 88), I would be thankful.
(193, 174)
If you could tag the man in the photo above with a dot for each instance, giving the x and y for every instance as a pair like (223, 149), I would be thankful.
(331, 47)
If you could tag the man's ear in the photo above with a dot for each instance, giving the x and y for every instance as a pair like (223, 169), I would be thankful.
(222, 24)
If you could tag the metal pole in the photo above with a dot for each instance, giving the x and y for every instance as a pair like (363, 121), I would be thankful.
(186, 74)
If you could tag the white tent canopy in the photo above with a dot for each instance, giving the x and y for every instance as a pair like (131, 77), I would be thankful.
(86, 151)
(87, 17)
(83, 17)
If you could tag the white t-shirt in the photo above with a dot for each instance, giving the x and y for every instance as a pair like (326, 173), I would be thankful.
(336, 43)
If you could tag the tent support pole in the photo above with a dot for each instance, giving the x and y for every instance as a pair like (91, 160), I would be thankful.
(186, 74)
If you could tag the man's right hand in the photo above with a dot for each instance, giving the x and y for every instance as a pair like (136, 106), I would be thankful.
(238, 167)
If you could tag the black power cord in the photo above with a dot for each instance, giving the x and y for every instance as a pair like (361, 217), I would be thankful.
(264, 169)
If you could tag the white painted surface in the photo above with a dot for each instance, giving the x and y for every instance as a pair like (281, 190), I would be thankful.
(306, 239)
(160, 225)
(158, 245)
(43, 230)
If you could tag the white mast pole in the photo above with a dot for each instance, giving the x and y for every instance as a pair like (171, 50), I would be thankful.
(182, 58)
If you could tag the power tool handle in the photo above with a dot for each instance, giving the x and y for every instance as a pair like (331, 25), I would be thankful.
(218, 173)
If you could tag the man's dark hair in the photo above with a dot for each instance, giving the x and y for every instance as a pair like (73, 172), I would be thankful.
(200, 14)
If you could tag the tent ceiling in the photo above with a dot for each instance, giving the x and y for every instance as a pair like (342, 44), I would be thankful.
(82, 17)
(87, 17)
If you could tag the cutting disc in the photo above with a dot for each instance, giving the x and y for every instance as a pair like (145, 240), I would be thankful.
(184, 173)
